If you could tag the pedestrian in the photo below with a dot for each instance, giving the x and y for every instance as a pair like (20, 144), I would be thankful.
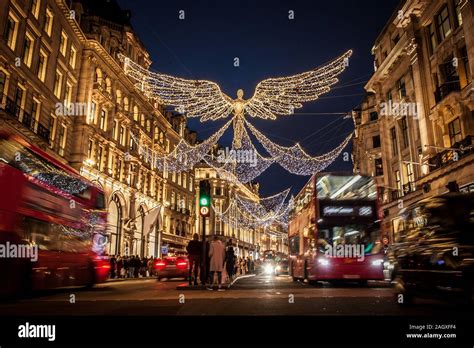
(126, 267)
(230, 262)
(217, 259)
(150, 263)
(194, 250)
(136, 269)
(113, 263)
(119, 266)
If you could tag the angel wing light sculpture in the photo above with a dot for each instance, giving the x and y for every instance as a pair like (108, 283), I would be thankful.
(204, 99)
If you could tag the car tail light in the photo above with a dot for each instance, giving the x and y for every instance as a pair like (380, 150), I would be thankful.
(182, 264)
(160, 264)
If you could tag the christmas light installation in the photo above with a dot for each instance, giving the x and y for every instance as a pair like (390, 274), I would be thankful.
(204, 99)
(294, 159)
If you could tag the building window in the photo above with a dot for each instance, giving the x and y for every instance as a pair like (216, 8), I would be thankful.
(433, 39)
(455, 132)
(68, 94)
(135, 113)
(100, 153)
(410, 173)
(374, 116)
(28, 50)
(48, 22)
(52, 129)
(58, 81)
(142, 120)
(63, 44)
(402, 91)
(103, 120)
(35, 113)
(35, 8)
(122, 136)
(398, 180)
(376, 141)
(19, 102)
(465, 61)
(11, 31)
(404, 129)
(73, 57)
(444, 25)
(457, 6)
(118, 96)
(3, 83)
(42, 63)
(90, 148)
(92, 115)
(126, 104)
(393, 136)
(98, 76)
(156, 134)
(115, 130)
(389, 96)
(378, 167)
(62, 139)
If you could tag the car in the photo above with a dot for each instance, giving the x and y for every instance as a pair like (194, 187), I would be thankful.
(172, 267)
(281, 267)
(434, 254)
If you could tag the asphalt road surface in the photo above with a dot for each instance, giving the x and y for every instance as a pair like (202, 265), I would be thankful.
(260, 295)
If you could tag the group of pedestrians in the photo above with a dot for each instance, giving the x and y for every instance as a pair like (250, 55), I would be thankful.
(130, 266)
(216, 260)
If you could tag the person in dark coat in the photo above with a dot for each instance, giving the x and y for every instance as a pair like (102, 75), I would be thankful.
(137, 264)
(194, 250)
(113, 263)
(230, 262)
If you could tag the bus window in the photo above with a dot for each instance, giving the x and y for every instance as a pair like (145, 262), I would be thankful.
(366, 235)
(294, 245)
(40, 233)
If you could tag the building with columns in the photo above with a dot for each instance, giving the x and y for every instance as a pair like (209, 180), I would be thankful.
(415, 127)
(63, 88)
(105, 147)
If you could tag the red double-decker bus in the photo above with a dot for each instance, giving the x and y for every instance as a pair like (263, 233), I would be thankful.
(52, 222)
(334, 230)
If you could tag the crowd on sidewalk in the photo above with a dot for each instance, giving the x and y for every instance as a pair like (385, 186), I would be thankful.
(130, 266)
(220, 262)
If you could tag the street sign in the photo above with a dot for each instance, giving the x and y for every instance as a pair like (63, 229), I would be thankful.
(204, 211)
(164, 250)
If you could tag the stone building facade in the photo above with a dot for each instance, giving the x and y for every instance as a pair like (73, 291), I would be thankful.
(415, 127)
(62, 86)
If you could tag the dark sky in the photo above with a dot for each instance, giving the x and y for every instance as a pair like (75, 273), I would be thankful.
(268, 44)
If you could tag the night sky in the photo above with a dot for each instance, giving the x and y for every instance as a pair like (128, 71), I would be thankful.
(268, 44)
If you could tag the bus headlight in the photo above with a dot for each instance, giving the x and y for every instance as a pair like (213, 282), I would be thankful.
(377, 262)
(269, 269)
(323, 262)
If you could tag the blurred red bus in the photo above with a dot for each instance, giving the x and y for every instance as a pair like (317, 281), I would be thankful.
(334, 230)
(48, 207)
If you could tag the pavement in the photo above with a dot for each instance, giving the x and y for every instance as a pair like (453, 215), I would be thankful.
(260, 295)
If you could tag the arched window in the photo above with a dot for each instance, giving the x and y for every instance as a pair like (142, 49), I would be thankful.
(118, 96)
(148, 126)
(98, 76)
(142, 120)
(108, 85)
(156, 133)
(126, 104)
(135, 113)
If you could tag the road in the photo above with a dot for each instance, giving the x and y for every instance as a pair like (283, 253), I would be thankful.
(254, 296)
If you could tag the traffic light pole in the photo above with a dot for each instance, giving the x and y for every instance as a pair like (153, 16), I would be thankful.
(204, 252)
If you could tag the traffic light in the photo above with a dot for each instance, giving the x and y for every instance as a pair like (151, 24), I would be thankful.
(204, 197)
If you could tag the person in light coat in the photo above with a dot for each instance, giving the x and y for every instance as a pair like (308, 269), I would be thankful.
(217, 259)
